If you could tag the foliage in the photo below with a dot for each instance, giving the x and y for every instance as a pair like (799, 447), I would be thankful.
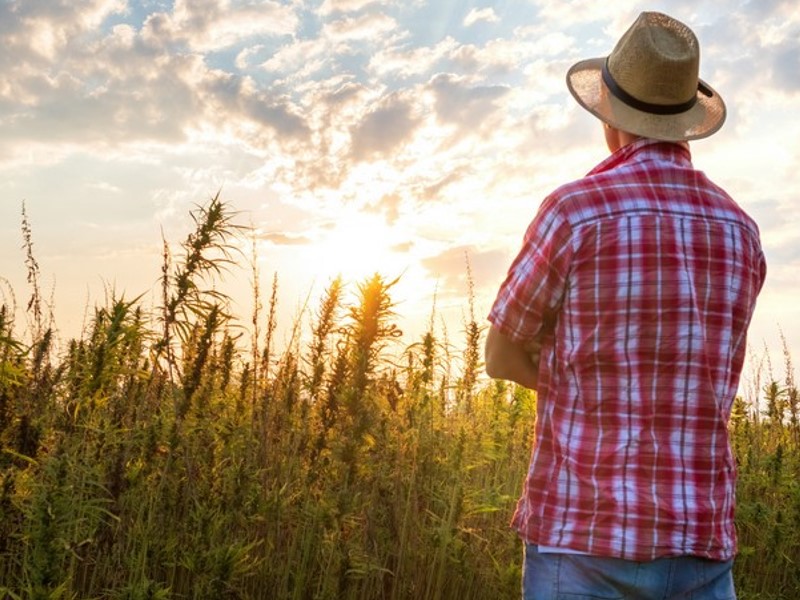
(154, 458)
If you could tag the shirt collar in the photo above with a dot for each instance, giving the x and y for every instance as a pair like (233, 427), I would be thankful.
(646, 149)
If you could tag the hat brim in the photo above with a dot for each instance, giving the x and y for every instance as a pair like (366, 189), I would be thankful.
(585, 83)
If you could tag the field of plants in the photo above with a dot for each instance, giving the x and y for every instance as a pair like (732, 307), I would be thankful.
(174, 453)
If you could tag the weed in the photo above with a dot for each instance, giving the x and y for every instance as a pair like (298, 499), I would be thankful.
(157, 459)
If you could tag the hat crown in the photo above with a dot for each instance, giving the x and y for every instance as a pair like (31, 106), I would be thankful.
(657, 60)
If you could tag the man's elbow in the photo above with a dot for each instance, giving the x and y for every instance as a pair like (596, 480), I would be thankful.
(494, 361)
(492, 366)
(505, 359)
(490, 371)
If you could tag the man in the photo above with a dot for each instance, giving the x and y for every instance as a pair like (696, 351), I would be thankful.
(627, 309)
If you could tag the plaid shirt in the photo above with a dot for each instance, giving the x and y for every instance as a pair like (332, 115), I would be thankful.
(640, 281)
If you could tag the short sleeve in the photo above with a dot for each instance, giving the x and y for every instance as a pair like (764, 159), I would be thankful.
(533, 291)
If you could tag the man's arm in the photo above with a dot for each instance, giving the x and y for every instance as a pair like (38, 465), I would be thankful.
(506, 359)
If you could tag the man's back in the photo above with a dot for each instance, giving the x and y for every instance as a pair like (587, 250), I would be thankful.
(648, 274)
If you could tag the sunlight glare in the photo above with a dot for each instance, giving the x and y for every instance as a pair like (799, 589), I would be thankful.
(358, 245)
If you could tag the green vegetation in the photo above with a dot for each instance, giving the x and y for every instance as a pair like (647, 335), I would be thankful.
(155, 457)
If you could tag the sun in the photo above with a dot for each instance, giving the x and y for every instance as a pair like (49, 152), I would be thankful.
(358, 244)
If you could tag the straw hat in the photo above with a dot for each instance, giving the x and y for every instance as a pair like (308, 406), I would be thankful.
(649, 84)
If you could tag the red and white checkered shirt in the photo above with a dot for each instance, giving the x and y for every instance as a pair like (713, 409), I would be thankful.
(640, 280)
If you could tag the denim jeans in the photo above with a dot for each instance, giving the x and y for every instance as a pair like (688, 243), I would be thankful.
(576, 577)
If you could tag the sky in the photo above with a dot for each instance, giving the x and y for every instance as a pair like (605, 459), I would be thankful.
(408, 137)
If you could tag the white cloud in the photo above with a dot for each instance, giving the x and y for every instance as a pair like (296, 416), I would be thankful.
(340, 6)
(243, 59)
(103, 186)
(297, 56)
(41, 31)
(365, 27)
(216, 24)
(561, 14)
(477, 15)
(407, 61)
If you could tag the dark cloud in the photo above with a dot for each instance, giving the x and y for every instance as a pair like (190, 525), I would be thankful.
(457, 102)
(384, 129)
(278, 114)
(231, 97)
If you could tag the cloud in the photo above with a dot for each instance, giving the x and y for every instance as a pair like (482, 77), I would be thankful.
(342, 93)
(367, 27)
(158, 103)
(388, 206)
(786, 66)
(236, 99)
(215, 24)
(286, 239)
(46, 28)
(451, 268)
(124, 86)
(302, 57)
(751, 58)
(103, 186)
(243, 59)
(332, 108)
(406, 61)
(433, 191)
(386, 127)
(458, 102)
(403, 247)
(480, 14)
(495, 59)
(340, 6)
(561, 14)
(768, 8)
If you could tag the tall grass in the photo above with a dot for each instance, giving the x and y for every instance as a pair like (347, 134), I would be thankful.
(157, 456)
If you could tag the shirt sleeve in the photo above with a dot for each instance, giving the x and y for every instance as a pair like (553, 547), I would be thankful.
(531, 296)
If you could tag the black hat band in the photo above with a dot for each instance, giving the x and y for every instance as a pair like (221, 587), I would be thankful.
(649, 107)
